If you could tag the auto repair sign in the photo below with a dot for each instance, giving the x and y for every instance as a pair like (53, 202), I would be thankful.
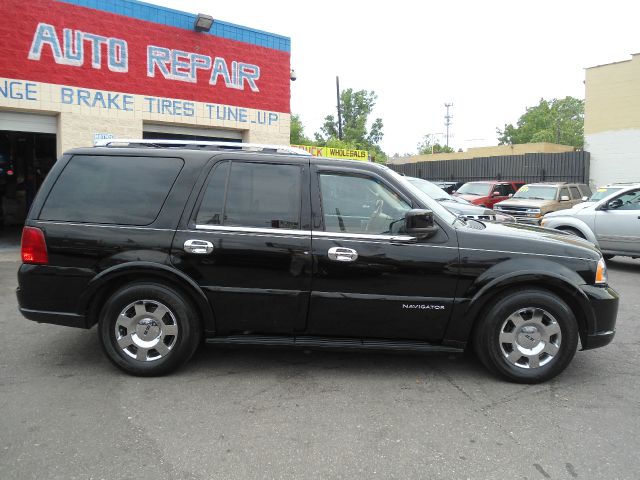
(71, 45)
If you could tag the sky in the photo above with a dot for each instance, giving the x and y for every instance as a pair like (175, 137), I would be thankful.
(490, 59)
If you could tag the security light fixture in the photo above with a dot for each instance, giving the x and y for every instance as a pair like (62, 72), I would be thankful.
(203, 23)
(292, 75)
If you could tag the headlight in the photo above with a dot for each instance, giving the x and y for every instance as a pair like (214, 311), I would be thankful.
(601, 272)
(533, 212)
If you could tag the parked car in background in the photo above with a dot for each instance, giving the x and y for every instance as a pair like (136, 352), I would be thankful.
(449, 187)
(606, 190)
(532, 201)
(487, 194)
(612, 223)
(459, 205)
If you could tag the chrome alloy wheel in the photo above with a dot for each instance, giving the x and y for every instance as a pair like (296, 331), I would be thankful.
(530, 338)
(146, 330)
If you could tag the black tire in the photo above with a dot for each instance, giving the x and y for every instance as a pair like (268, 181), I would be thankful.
(168, 338)
(549, 314)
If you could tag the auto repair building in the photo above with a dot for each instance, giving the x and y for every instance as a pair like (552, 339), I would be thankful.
(612, 121)
(74, 71)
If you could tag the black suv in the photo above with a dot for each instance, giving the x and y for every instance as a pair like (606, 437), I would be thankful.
(165, 244)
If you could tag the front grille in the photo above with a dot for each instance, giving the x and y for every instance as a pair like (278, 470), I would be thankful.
(514, 210)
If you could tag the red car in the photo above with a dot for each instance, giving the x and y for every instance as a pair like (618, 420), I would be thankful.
(485, 194)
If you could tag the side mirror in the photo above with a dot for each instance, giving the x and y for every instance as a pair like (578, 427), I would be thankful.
(585, 198)
(613, 204)
(564, 198)
(419, 223)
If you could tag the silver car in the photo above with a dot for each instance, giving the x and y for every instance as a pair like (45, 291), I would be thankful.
(612, 222)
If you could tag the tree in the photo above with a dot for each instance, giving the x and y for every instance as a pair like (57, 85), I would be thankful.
(557, 121)
(429, 145)
(356, 108)
(297, 136)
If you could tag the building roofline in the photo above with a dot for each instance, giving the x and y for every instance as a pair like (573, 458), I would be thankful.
(613, 63)
(184, 20)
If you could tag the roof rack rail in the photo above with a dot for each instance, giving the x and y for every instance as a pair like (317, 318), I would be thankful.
(198, 144)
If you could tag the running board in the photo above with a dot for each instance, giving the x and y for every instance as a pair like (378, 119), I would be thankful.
(329, 342)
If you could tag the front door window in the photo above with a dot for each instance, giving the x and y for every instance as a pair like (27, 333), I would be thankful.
(358, 204)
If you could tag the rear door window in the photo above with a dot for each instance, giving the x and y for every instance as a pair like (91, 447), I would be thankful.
(260, 195)
(575, 193)
(111, 189)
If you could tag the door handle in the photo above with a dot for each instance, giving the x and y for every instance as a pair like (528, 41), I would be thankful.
(199, 247)
(341, 254)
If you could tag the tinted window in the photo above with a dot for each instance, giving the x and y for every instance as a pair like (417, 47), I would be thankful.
(263, 195)
(584, 190)
(630, 200)
(111, 190)
(210, 212)
(575, 193)
(505, 189)
(354, 204)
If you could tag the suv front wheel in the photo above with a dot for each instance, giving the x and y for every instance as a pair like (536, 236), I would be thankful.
(148, 329)
(528, 336)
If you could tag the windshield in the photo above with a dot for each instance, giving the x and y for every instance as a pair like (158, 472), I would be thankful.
(536, 192)
(475, 188)
(602, 192)
(429, 202)
(430, 189)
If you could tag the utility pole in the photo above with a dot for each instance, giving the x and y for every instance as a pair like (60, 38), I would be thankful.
(339, 108)
(447, 120)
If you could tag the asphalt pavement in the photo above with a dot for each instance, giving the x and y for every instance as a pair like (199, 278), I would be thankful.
(66, 413)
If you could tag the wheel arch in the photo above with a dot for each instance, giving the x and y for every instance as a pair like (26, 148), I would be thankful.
(551, 282)
(109, 280)
(576, 224)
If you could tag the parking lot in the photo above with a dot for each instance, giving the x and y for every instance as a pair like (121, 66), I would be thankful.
(250, 413)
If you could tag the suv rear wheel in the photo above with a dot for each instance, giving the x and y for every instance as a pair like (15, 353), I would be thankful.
(148, 329)
(528, 336)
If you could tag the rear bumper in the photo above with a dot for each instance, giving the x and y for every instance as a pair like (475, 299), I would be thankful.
(604, 304)
(56, 318)
(67, 319)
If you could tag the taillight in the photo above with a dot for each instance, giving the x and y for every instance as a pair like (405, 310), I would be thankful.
(34, 247)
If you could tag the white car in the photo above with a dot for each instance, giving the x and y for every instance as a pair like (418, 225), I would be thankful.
(611, 221)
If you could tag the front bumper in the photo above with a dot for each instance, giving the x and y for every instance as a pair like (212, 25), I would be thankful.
(604, 306)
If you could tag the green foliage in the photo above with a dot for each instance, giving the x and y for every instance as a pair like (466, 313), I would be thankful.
(297, 136)
(556, 121)
(429, 145)
(356, 108)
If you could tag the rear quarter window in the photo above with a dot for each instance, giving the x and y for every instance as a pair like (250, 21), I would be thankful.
(111, 189)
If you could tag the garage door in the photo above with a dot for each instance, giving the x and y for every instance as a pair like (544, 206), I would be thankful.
(28, 122)
(213, 133)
